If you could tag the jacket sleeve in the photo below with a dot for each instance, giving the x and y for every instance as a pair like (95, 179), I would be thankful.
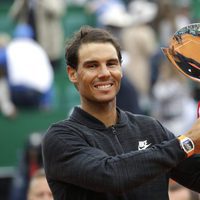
(68, 158)
(187, 173)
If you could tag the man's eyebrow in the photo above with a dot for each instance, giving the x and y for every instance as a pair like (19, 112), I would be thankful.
(90, 62)
(96, 61)
(113, 60)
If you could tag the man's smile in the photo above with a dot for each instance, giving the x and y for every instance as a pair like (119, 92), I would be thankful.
(103, 86)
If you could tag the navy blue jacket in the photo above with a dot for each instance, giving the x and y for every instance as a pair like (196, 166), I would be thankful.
(131, 160)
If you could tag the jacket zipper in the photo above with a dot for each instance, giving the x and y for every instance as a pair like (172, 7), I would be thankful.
(117, 139)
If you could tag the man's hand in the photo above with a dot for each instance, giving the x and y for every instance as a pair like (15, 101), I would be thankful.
(194, 135)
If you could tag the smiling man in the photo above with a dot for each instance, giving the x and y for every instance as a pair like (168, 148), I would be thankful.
(97, 78)
(104, 153)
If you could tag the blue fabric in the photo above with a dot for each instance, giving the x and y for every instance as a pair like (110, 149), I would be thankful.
(46, 100)
(24, 96)
(28, 97)
(23, 30)
(2, 57)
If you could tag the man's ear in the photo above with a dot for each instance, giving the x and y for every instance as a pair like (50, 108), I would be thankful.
(72, 74)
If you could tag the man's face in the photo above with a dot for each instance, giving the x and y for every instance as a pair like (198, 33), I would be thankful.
(99, 73)
(39, 190)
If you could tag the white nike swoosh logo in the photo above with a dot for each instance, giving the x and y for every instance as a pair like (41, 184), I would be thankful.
(144, 147)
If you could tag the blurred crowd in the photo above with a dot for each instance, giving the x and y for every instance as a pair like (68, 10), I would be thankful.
(31, 56)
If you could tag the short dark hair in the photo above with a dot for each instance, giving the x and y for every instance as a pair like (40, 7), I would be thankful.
(85, 35)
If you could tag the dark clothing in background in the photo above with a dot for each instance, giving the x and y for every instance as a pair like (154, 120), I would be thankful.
(85, 160)
(127, 97)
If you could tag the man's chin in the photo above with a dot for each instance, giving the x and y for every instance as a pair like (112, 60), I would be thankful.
(105, 100)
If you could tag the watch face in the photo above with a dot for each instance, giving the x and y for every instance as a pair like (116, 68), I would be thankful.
(187, 145)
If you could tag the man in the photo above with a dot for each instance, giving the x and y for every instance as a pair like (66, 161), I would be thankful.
(102, 152)
(45, 17)
(29, 71)
(38, 187)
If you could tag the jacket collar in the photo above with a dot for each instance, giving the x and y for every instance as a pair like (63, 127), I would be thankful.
(82, 117)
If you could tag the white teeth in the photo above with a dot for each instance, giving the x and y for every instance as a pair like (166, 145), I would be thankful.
(103, 86)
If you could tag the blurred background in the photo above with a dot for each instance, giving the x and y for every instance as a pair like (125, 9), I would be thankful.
(152, 85)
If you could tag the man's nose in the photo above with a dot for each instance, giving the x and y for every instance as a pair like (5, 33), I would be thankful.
(103, 71)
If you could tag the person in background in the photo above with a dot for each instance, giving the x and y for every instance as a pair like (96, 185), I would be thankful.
(139, 41)
(29, 161)
(7, 107)
(103, 152)
(45, 18)
(30, 74)
(131, 103)
(176, 108)
(38, 187)
(104, 9)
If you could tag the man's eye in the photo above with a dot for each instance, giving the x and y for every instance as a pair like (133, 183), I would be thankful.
(91, 66)
(112, 65)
